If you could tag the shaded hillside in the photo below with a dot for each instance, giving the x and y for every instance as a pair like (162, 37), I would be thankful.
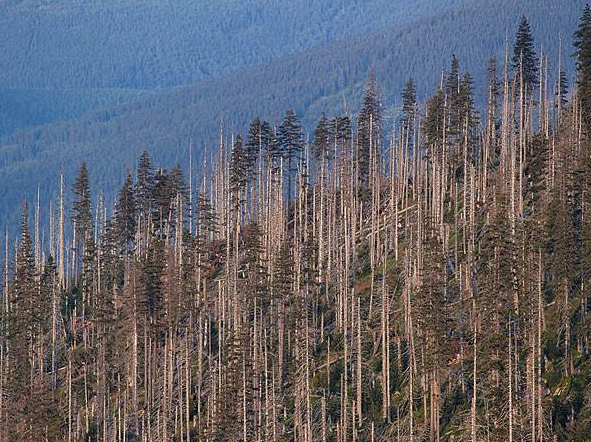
(21, 108)
(432, 285)
(311, 82)
(154, 44)
(60, 46)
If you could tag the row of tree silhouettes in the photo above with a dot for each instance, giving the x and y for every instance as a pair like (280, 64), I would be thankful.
(429, 285)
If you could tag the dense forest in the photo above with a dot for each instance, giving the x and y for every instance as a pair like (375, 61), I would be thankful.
(52, 48)
(324, 79)
(429, 281)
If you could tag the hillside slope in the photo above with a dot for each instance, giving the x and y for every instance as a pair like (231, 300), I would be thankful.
(325, 79)
(66, 57)
(155, 44)
(21, 108)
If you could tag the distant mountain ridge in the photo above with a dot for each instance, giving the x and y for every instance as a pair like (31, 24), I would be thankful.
(52, 48)
(326, 79)
(146, 44)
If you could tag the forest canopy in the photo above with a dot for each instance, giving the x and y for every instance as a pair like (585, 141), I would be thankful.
(429, 281)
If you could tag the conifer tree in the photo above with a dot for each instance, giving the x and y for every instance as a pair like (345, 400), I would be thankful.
(255, 268)
(238, 167)
(451, 85)
(206, 219)
(151, 300)
(23, 331)
(290, 139)
(582, 43)
(434, 320)
(435, 121)
(124, 223)
(161, 195)
(368, 127)
(321, 146)
(562, 90)
(178, 186)
(494, 87)
(254, 143)
(525, 60)
(341, 134)
(143, 186)
(468, 119)
(409, 104)
(271, 143)
(81, 209)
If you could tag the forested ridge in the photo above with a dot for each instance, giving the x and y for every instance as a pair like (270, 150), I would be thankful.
(428, 282)
(51, 48)
(328, 78)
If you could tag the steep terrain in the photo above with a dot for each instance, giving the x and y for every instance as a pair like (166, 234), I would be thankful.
(326, 79)
(63, 49)
(154, 44)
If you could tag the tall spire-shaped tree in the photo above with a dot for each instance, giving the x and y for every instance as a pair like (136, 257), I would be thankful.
(290, 138)
(368, 125)
(525, 60)
(583, 54)
(125, 215)
(321, 146)
(143, 186)
(81, 209)
(582, 45)
(238, 166)
(409, 104)
(22, 332)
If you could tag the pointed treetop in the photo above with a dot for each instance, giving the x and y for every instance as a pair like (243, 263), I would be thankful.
(582, 43)
(320, 147)
(371, 102)
(525, 60)
(25, 234)
(81, 210)
(409, 103)
(290, 134)
(452, 80)
(238, 166)
(24, 261)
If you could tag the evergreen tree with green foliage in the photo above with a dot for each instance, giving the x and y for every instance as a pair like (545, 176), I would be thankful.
(161, 191)
(143, 186)
(178, 186)
(321, 147)
(409, 104)
(468, 120)
(255, 269)
(239, 165)
(81, 206)
(494, 89)
(151, 298)
(290, 139)
(435, 123)
(125, 217)
(341, 135)
(22, 333)
(254, 144)
(271, 144)
(368, 128)
(582, 43)
(525, 61)
(562, 90)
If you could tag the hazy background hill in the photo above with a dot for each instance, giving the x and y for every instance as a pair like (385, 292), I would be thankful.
(327, 77)
(51, 48)
(161, 43)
